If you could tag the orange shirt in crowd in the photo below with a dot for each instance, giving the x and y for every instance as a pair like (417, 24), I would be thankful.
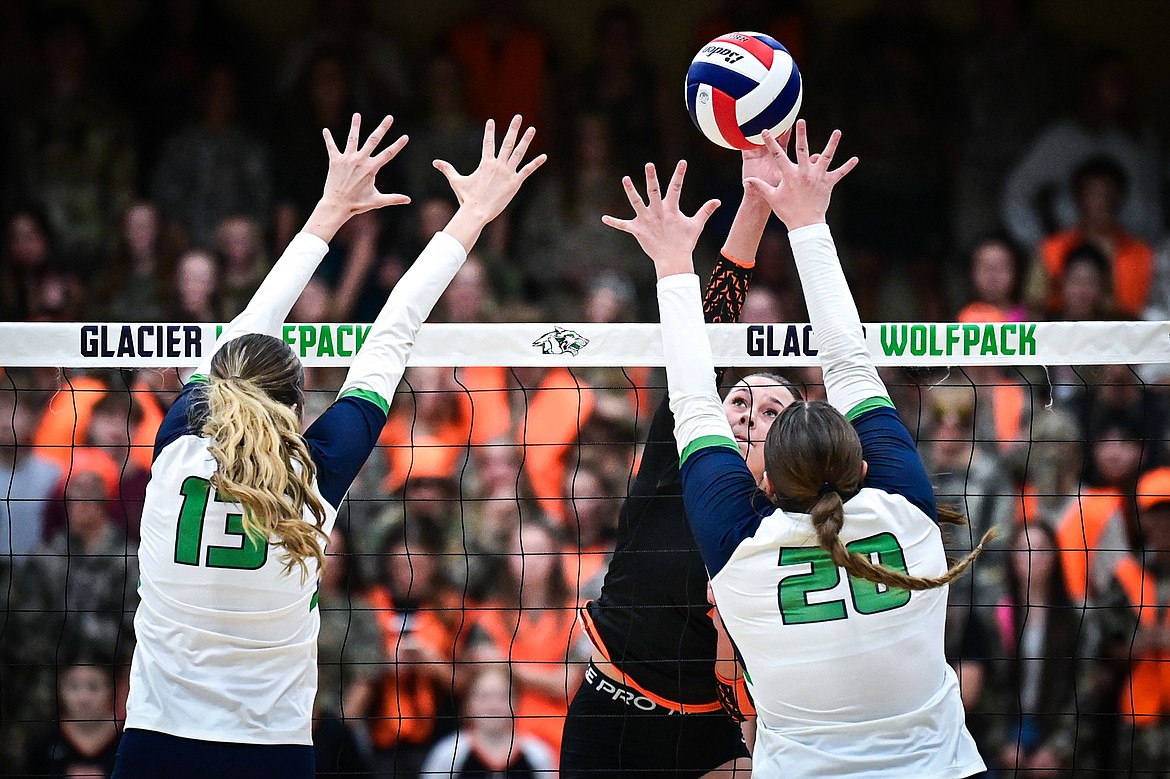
(540, 640)
(1079, 532)
(1133, 268)
(1145, 696)
(506, 69)
(411, 699)
(66, 421)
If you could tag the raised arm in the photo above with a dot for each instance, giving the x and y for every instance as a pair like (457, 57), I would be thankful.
(349, 190)
(801, 201)
(343, 437)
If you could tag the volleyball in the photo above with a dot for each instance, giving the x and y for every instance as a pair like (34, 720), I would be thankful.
(741, 84)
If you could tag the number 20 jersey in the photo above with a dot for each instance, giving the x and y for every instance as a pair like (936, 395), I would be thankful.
(227, 640)
(847, 675)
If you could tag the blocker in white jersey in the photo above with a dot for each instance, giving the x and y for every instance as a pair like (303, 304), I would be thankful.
(830, 574)
(240, 500)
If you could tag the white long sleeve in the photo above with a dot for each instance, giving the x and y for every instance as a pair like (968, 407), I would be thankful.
(268, 308)
(699, 419)
(378, 367)
(850, 375)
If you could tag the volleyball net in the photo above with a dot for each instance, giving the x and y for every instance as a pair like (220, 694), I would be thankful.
(488, 514)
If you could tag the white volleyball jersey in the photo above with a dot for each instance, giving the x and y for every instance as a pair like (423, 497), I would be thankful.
(848, 677)
(227, 639)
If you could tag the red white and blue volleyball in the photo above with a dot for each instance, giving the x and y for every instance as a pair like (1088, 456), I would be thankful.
(741, 84)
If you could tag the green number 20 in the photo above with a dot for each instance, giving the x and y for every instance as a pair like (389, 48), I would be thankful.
(868, 598)
(248, 556)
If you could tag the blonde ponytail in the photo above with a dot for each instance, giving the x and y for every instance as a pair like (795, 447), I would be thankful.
(263, 462)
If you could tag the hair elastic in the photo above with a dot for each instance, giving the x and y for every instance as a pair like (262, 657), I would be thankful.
(826, 488)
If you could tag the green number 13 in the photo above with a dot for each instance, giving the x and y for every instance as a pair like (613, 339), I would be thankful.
(248, 556)
(868, 598)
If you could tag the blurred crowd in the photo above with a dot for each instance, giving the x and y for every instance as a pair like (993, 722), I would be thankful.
(155, 177)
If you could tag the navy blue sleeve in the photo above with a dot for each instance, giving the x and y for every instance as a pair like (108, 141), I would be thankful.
(340, 442)
(894, 463)
(177, 422)
(719, 493)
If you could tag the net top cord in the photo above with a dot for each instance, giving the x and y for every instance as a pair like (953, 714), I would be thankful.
(936, 344)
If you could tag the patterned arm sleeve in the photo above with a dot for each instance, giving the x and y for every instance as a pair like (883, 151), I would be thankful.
(726, 291)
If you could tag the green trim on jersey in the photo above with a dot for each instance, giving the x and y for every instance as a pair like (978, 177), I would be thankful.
(880, 401)
(315, 599)
(705, 441)
(200, 378)
(369, 395)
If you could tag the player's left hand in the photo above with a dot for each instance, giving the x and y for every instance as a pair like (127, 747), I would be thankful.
(665, 233)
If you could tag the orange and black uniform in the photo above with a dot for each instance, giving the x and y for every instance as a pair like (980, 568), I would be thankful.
(652, 622)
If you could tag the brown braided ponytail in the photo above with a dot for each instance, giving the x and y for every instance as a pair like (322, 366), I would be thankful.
(814, 463)
(262, 460)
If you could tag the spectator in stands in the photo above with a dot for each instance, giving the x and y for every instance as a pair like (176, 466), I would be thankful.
(1100, 524)
(77, 592)
(593, 504)
(375, 58)
(1041, 639)
(239, 245)
(213, 168)
(507, 61)
(72, 150)
(132, 286)
(350, 660)
(163, 58)
(469, 297)
(84, 738)
(530, 628)
(487, 743)
(897, 90)
(196, 294)
(27, 480)
(560, 241)
(997, 280)
(1086, 288)
(1134, 621)
(620, 83)
(971, 480)
(25, 261)
(1047, 471)
(421, 618)
(445, 128)
(322, 97)
(1099, 189)
(1010, 46)
(111, 425)
(1038, 198)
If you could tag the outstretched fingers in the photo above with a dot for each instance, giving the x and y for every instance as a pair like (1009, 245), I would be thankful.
(522, 147)
(704, 213)
(826, 156)
(355, 127)
(843, 171)
(376, 136)
(625, 225)
(802, 145)
(510, 138)
(330, 144)
(653, 189)
(489, 141)
(674, 189)
(632, 194)
(391, 151)
(532, 165)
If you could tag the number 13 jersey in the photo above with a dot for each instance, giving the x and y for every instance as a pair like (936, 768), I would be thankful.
(227, 639)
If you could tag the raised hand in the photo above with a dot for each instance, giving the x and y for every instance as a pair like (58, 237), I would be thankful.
(484, 193)
(760, 163)
(350, 184)
(802, 196)
(665, 233)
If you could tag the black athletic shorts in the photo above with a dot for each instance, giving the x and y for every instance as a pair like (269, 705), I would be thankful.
(613, 731)
(146, 754)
